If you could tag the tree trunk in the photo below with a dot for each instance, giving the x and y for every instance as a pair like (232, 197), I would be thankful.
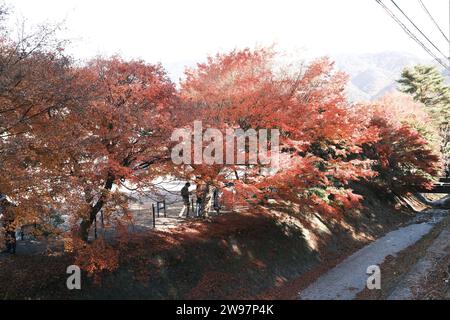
(86, 224)
(207, 200)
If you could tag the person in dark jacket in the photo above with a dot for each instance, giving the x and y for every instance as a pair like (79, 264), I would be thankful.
(186, 201)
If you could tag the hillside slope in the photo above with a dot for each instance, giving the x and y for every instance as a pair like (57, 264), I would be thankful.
(270, 254)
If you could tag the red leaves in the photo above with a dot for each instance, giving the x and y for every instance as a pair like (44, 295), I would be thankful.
(242, 89)
(404, 159)
(96, 257)
(324, 139)
(114, 122)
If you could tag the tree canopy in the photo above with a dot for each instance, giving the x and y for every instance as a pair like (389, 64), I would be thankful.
(73, 136)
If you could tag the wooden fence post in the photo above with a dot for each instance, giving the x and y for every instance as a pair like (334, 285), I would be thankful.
(165, 212)
(95, 228)
(153, 214)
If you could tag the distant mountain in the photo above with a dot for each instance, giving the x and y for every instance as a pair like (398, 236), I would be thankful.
(374, 75)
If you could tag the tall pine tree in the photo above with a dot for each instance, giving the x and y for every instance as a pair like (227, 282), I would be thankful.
(426, 84)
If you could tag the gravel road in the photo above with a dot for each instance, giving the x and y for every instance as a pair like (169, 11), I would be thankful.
(349, 277)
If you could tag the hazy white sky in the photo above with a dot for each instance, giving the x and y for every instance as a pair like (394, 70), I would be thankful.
(179, 31)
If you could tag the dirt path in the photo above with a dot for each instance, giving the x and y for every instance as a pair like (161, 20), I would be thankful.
(411, 285)
(349, 277)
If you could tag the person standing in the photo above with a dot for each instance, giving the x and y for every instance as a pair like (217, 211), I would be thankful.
(199, 194)
(216, 203)
(186, 201)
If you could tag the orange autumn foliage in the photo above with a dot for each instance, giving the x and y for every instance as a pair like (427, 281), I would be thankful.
(321, 137)
(76, 136)
(404, 157)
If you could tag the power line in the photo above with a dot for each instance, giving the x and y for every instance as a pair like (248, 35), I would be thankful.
(434, 21)
(410, 34)
(418, 29)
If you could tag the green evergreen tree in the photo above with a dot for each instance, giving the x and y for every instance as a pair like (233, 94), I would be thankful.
(426, 84)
